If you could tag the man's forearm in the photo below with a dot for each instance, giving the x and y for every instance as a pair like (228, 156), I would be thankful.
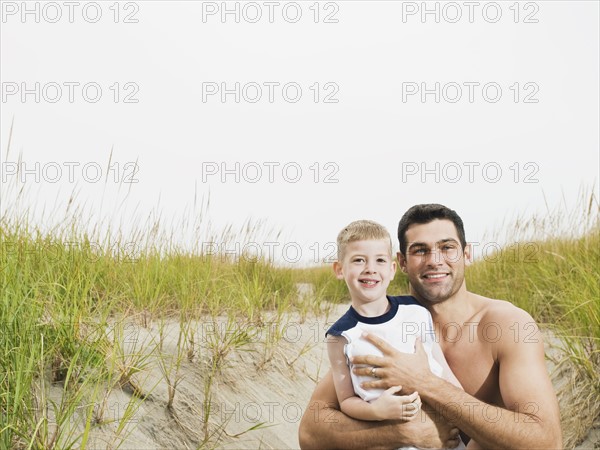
(325, 427)
(490, 426)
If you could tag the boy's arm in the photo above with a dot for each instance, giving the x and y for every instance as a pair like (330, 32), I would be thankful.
(387, 406)
(340, 370)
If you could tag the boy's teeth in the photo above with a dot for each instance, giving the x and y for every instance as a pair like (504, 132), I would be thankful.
(368, 282)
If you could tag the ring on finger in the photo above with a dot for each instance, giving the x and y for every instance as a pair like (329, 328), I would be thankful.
(373, 373)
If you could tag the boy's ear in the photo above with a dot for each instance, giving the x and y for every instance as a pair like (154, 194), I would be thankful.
(337, 269)
(401, 261)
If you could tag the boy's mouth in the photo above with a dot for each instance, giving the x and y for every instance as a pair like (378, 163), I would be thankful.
(368, 282)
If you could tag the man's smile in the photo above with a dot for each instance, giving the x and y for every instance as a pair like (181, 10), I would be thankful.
(435, 276)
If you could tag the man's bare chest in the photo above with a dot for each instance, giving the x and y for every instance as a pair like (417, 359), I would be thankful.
(474, 366)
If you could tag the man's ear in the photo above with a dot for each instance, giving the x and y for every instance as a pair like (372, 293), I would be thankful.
(401, 261)
(468, 254)
(337, 269)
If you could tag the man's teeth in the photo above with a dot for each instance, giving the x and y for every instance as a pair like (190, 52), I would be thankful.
(440, 275)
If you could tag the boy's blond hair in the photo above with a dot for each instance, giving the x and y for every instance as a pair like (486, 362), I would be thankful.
(361, 230)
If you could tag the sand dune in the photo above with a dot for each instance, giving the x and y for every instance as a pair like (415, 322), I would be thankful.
(261, 385)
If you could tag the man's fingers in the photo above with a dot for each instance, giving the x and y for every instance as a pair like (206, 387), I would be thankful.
(454, 438)
(393, 390)
(381, 344)
(369, 360)
(412, 397)
(419, 346)
(379, 384)
(411, 409)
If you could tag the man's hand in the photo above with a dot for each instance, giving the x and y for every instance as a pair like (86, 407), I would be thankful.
(394, 368)
(443, 435)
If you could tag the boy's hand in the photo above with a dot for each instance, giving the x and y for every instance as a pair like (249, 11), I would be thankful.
(391, 406)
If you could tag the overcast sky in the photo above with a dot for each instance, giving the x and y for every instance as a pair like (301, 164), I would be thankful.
(303, 115)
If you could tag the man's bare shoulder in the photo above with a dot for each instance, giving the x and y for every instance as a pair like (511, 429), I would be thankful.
(512, 325)
(501, 311)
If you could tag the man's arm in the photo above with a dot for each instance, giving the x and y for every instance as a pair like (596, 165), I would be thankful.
(532, 420)
(324, 426)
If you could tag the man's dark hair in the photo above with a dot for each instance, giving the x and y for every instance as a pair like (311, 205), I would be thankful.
(421, 214)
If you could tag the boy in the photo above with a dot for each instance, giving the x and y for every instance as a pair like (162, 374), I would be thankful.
(366, 264)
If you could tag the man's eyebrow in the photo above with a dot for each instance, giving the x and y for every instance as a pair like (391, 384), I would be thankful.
(417, 244)
(424, 244)
(443, 241)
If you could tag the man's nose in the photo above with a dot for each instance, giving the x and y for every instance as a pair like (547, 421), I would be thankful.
(434, 257)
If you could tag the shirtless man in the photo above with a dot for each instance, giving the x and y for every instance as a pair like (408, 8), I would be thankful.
(494, 349)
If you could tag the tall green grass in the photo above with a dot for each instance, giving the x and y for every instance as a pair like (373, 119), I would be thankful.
(552, 270)
(61, 295)
(70, 286)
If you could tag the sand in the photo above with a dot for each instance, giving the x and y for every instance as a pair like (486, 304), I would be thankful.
(255, 385)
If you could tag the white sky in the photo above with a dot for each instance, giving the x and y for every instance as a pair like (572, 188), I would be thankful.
(371, 138)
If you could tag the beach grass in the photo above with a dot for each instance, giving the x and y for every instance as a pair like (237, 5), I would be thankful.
(65, 296)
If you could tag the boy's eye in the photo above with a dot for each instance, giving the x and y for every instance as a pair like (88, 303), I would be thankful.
(381, 260)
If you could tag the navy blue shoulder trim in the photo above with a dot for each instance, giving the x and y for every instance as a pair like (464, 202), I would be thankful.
(403, 300)
(352, 317)
(347, 321)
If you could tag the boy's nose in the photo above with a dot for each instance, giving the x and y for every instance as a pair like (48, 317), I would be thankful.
(370, 267)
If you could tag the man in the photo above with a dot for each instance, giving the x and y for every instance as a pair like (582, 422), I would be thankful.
(494, 349)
